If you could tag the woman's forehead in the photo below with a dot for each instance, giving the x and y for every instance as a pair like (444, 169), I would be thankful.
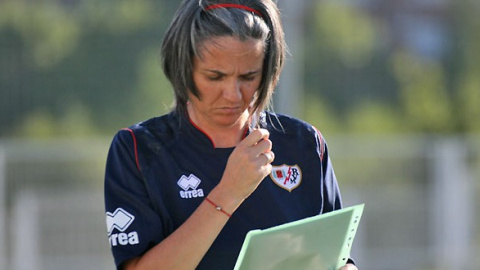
(230, 45)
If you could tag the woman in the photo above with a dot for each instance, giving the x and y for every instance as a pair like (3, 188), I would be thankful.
(182, 190)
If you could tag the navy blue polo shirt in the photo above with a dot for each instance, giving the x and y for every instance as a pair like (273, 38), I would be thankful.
(159, 171)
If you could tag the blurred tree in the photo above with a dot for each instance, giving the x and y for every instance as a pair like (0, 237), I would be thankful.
(46, 30)
(348, 67)
(375, 86)
(466, 61)
(375, 118)
(80, 61)
(318, 113)
(152, 86)
(91, 67)
(425, 100)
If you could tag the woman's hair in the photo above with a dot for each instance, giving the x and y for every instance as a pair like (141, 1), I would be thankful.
(199, 20)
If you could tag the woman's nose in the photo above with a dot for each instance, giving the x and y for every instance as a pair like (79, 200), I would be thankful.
(232, 91)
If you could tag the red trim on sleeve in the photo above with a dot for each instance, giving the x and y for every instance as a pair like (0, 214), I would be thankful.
(134, 146)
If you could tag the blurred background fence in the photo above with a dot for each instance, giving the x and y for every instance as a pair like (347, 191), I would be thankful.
(393, 85)
(420, 196)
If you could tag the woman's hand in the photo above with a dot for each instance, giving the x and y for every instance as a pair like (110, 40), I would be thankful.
(249, 163)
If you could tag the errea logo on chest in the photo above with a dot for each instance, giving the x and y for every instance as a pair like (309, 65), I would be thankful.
(190, 187)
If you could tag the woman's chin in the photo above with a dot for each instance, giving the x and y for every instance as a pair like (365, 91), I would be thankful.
(231, 120)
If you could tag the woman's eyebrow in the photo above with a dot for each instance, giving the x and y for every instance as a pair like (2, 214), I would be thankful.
(253, 72)
(249, 73)
(214, 71)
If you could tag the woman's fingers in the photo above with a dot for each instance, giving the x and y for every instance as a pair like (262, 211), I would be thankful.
(250, 162)
(255, 137)
(266, 158)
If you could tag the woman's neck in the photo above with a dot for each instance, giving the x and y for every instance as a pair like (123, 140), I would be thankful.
(226, 139)
(223, 136)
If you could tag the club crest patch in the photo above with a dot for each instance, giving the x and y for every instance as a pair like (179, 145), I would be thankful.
(286, 176)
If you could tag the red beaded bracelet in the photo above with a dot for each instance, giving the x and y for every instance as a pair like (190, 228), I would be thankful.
(218, 207)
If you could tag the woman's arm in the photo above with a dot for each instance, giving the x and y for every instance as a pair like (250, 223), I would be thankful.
(247, 166)
(187, 245)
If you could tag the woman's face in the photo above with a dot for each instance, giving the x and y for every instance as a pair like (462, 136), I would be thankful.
(227, 75)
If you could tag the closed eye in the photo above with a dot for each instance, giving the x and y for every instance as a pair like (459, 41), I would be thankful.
(215, 78)
(218, 76)
(214, 75)
(250, 76)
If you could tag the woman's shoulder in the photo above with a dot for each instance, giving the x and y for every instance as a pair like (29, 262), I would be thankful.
(163, 126)
(294, 132)
(283, 123)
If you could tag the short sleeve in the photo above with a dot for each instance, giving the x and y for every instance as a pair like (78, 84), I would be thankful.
(132, 224)
(330, 190)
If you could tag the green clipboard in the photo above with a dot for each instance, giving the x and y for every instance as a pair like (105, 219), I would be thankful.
(320, 242)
